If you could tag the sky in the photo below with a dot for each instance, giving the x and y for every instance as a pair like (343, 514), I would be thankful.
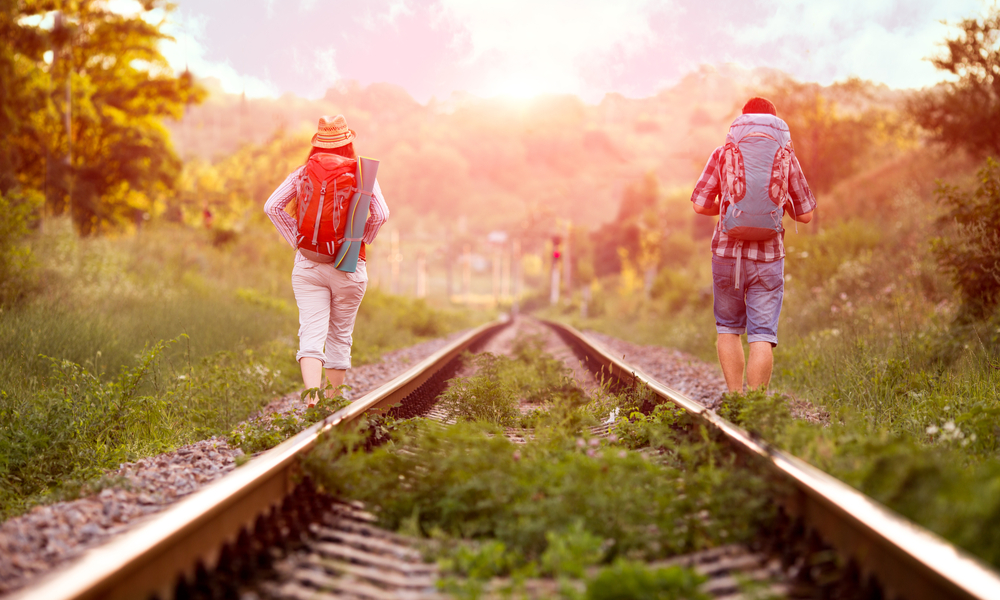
(520, 48)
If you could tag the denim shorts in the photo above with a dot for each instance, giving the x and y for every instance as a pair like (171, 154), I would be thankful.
(754, 307)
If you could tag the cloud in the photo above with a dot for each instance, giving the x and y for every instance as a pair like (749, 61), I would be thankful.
(396, 9)
(187, 51)
(883, 41)
(525, 47)
(545, 46)
(325, 66)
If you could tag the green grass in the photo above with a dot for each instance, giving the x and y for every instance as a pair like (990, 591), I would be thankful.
(559, 504)
(133, 346)
(492, 395)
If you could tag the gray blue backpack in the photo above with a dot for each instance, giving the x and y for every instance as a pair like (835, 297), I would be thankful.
(755, 163)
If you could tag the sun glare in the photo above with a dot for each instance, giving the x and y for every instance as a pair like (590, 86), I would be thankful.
(521, 88)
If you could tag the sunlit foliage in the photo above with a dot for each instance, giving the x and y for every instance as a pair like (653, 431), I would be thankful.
(85, 91)
(839, 129)
(16, 276)
(971, 253)
(965, 112)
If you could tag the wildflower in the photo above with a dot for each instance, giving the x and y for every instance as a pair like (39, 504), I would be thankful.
(580, 443)
(591, 453)
(517, 455)
(949, 426)
(612, 438)
(932, 429)
(595, 442)
(622, 454)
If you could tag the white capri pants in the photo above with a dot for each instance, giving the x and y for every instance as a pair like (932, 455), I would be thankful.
(328, 302)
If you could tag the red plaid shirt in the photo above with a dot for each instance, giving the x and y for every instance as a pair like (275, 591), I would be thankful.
(709, 187)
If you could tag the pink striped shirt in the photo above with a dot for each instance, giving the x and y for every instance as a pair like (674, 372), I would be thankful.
(378, 213)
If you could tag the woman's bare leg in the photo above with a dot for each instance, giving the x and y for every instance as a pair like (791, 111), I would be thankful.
(312, 372)
(336, 378)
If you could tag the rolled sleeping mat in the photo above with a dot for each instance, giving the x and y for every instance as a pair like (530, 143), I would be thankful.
(357, 214)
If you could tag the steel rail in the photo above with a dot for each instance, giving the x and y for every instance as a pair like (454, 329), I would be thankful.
(908, 561)
(148, 559)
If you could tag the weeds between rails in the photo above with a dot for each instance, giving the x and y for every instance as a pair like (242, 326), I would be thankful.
(562, 504)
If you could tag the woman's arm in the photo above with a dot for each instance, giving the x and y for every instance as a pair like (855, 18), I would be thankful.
(378, 214)
(275, 210)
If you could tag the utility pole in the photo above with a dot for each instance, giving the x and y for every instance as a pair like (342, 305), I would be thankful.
(496, 275)
(518, 283)
(421, 276)
(397, 258)
(505, 274)
(568, 259)
(449, 261)
(467, 273)
(556, 266)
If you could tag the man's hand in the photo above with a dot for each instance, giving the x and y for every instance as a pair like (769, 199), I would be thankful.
(803, 218)
(707, 210)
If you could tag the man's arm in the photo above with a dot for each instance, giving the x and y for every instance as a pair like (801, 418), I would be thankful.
(707, 210)
(801, 198)
(705, 198)
(803, 218)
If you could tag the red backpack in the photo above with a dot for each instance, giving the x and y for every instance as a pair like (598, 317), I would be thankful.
(324, 188)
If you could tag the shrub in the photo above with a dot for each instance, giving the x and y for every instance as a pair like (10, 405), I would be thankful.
(971, 253)
(16, 277)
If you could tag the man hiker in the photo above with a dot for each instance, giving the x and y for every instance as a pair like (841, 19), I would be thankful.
(751, 181)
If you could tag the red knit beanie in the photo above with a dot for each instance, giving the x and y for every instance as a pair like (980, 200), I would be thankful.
(761, 106)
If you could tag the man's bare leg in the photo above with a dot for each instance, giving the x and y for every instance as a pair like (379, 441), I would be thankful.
(732, 360)
(760, 365)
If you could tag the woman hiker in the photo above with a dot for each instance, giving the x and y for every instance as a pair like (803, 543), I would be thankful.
(328, 298)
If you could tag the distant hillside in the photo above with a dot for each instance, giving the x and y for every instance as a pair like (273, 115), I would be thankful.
(502, 162)
(496, 159)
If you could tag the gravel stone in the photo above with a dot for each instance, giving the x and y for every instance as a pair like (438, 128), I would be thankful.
(692, 377)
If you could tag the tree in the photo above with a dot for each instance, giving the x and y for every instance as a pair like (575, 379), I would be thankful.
(22, 93)
(966, 113)
(639, 199)
(971, 253)
(84, 123)
(831, 141)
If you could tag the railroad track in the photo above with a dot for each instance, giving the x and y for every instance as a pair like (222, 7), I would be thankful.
(263, 530)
